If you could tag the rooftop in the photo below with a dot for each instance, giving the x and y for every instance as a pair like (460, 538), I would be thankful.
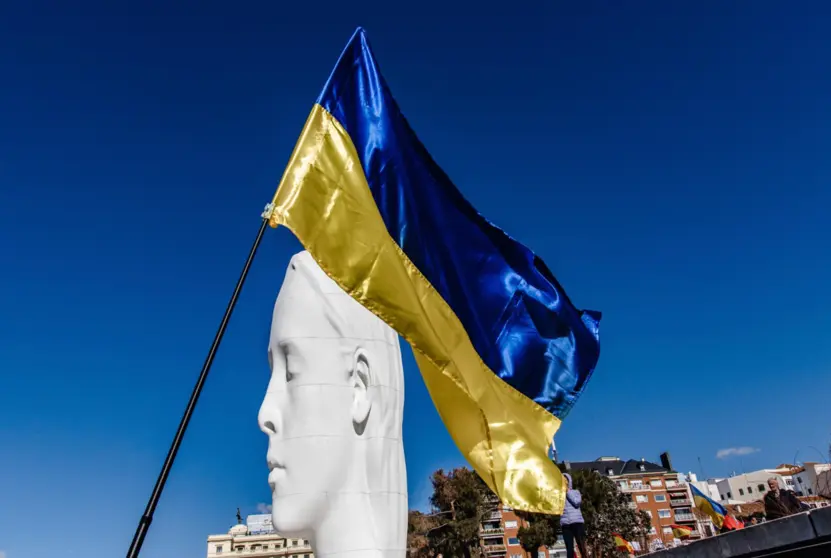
(613, 466)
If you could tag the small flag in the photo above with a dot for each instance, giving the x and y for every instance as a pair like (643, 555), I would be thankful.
(713, 509)
(732, 523)
(623, 544)
(503, 351)
(681, 531)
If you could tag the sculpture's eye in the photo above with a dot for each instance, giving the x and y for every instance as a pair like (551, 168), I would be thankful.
(289, 374)
(290, 356)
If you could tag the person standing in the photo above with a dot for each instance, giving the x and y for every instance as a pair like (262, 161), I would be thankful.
(571, 522)
(781, 503)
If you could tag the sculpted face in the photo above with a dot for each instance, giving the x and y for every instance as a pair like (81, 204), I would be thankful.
(316, 405)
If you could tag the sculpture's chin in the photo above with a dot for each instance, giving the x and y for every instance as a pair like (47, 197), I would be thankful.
(291, 518)
(286, 525)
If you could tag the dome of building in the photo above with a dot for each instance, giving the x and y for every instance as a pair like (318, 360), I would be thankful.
(238, 530)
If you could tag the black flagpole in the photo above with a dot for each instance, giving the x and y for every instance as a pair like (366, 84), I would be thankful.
(147, 518)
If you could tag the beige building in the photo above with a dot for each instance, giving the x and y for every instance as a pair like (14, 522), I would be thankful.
(238, 542)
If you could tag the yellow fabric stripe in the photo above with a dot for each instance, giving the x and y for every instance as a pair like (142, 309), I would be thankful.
(325, 201)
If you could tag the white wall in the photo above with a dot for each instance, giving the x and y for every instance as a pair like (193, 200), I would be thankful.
(748, 487)
(808, 481)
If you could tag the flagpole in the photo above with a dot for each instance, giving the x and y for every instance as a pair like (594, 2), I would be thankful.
(147, 517)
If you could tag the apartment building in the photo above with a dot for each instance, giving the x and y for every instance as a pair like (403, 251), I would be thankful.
(810, 480)
(656, 489)
(499, 535)
(256, 540)
(752, 486)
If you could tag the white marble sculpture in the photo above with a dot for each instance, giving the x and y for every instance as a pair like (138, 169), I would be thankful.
(333, 413)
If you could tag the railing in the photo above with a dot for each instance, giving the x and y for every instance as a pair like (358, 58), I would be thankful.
(492, 531)
(671, 485)
(680, 502)
(493, 548)
(684, 516)
(641, 488)
(495, 515)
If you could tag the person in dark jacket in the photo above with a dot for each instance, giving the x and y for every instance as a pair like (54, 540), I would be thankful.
(781, 503)
(571, 522)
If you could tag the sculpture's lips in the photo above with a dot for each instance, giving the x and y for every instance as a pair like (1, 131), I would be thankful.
(276, 471)
(274, 477)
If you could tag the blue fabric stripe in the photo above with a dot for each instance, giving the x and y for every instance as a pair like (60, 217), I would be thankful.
(517, 315)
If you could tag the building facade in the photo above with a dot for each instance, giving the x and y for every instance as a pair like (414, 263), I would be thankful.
(810, 481)
(752, 486)
(655, 489)
(239, 541)
(499, 535)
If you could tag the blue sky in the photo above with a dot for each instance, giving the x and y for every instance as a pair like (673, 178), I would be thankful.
(668, 161)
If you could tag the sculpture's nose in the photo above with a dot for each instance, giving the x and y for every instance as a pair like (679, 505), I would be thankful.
(269, 417)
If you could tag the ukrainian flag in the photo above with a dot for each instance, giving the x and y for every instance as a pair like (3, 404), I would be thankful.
(502, 349)
(715, 510)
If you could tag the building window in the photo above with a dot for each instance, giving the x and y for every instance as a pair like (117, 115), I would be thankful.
(799, 480)
(511, 525)
(656, 483)
(729, 495)
(610, 472)
(667, 530)
(636, 485)
(750, 490)
(664, 514)
(513, 541)
(653, 530)
(660, 498)
(219, 549)
(810, 492)
(741, 492)
(722, 496)
(642, 498)
(761, 487)
(623, 485)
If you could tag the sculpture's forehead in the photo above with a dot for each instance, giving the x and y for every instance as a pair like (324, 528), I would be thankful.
(312, 305)
(301, 312)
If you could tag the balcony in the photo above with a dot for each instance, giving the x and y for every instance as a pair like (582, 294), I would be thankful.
(675, 485)
(680, 502)
(491, 531)
(495, 549)
(636, 488)
(680, 516)
(497, 515)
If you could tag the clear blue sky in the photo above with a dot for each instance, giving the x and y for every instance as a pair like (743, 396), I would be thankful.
(668, 160)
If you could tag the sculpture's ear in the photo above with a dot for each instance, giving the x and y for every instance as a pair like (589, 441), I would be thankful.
(361, 379)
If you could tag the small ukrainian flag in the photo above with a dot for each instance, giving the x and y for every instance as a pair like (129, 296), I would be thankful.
(715, 510)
